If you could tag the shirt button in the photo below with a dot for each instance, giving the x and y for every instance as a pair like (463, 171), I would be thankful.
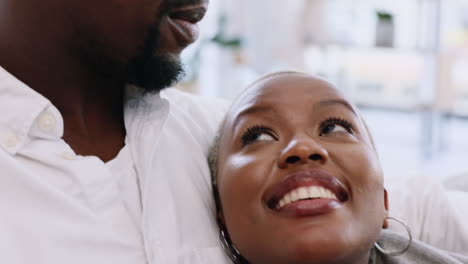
(12, 141)
(68, 156)
(47, 122)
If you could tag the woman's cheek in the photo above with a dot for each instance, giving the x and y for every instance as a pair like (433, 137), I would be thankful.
(243, 180)
(238, 176)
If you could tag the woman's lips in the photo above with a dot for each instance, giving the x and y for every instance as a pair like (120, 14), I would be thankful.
(306, 193)
(307, 208)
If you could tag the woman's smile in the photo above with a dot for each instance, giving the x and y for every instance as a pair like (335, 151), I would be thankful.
(306, 193)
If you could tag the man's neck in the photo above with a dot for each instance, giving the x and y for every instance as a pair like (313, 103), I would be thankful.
(91, 106)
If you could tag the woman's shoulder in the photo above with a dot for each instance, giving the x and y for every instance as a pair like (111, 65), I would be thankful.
(417, 253)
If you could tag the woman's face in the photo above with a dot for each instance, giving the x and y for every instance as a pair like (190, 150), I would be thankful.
(298, 177)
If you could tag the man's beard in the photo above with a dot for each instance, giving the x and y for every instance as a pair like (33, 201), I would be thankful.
(153, 72)
(150, 72)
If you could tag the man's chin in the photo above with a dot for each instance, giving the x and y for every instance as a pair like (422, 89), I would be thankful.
(156, 73)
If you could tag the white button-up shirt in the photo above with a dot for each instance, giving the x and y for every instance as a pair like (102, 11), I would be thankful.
(57, 207)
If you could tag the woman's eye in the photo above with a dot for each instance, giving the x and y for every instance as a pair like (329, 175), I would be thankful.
(257, 133)
(333, 129)
(264, 137)
(335, 125)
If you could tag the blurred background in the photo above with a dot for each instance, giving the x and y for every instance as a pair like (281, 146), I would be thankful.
(403, 62)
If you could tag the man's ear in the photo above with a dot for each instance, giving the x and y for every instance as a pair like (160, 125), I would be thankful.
(385, 221)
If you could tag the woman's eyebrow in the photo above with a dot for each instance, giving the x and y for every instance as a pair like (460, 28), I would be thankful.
(256, 109)
(332, 102)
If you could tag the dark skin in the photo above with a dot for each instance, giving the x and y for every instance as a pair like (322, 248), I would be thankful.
(76, 53)
(292, 124)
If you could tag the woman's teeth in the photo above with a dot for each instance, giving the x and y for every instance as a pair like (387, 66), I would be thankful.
(305, 193)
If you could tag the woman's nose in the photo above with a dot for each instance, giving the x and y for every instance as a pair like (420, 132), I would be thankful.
(302, 151)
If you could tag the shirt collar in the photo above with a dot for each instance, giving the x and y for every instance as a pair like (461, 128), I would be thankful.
(24, 114)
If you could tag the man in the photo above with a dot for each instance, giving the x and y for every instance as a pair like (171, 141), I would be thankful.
(87, 176)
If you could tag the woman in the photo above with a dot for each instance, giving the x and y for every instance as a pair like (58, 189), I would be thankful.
(296, 179)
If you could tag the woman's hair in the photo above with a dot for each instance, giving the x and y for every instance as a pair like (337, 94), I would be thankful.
(213, 157)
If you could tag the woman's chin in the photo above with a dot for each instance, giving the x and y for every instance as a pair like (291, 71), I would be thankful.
(326, 253)
(331, 241)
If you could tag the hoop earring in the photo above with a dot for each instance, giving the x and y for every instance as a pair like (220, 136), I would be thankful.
(229, 248)
(403, 251)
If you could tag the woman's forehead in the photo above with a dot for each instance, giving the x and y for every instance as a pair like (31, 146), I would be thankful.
(284, 90)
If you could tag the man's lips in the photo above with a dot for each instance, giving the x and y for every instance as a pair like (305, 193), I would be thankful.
(311, 189)
(183, 22)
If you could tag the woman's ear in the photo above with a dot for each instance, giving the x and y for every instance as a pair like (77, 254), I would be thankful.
(385, 220)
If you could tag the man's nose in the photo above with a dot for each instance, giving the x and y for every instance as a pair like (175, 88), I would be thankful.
(302, 150)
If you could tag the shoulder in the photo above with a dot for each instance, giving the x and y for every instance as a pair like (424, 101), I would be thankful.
(199, 107)
(178, 96)
(418, 252)
(201, 116)
(436, 214)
